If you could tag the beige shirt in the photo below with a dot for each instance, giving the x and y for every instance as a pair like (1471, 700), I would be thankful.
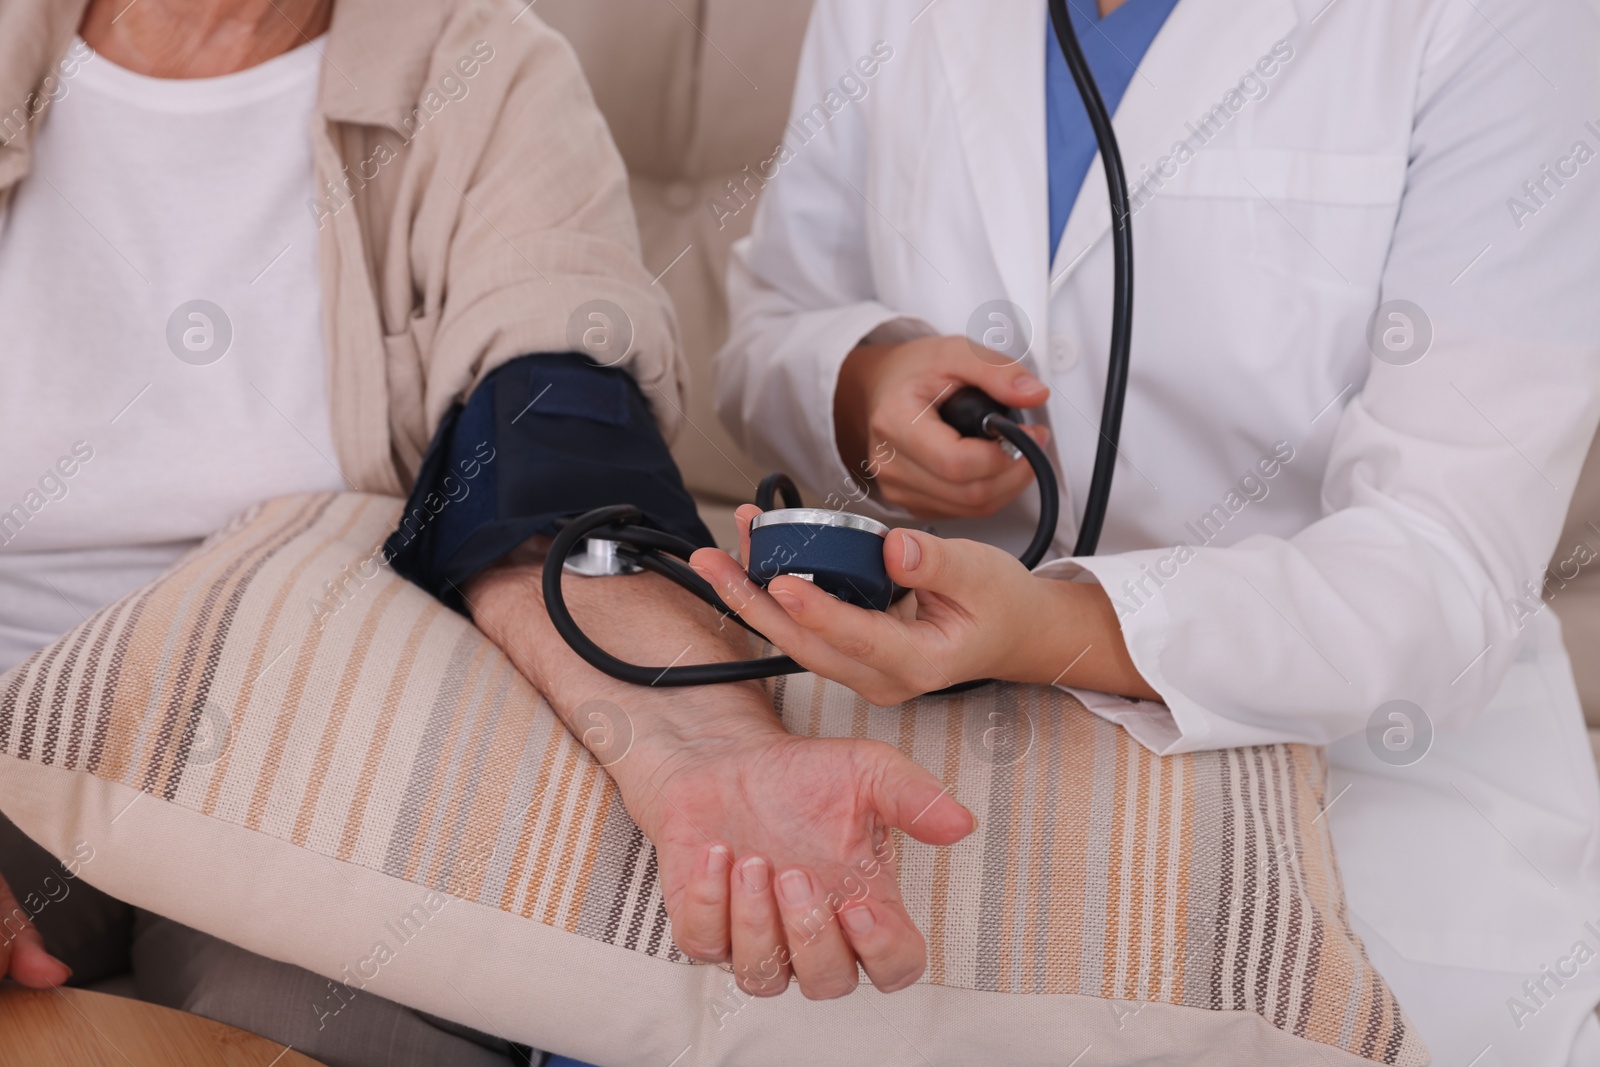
(472, 203)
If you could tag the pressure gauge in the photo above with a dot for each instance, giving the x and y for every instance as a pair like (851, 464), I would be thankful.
(840, 553)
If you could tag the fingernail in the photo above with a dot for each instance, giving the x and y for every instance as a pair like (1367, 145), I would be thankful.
(755, 874)
(858, 920)
(1027, 383)
(795, 888)
(787, 600)
(718, 858)
(913, 551)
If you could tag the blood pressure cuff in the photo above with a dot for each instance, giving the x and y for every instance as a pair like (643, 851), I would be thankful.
(543, 438)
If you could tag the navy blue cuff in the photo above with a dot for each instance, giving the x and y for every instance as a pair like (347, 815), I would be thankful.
(543, 438)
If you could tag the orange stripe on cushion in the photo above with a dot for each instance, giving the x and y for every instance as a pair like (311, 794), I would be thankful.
(354, 665)
(257, 665)
(378, 744)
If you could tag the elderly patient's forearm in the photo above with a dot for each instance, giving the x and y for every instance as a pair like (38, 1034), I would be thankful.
(640, 618)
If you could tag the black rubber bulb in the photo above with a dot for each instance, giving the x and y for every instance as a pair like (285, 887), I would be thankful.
(967, 409)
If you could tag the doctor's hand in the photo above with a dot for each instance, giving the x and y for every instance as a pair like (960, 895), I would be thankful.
(974, 612)
(888, 427)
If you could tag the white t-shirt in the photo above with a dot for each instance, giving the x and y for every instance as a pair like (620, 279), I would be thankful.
(134, 421)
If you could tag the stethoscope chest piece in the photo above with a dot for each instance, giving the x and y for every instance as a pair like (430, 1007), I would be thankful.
(839, 553)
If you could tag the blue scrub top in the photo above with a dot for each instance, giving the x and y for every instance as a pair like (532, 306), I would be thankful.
(1114, 47)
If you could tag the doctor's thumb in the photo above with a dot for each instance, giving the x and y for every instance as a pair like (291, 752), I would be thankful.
(1010, 384)
(918, 560)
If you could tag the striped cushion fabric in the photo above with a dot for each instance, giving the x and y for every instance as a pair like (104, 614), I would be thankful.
(283, 743)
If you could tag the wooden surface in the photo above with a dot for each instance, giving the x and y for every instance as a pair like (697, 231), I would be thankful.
(76, 1028)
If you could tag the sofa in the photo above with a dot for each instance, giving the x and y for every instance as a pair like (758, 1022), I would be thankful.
(697, 93)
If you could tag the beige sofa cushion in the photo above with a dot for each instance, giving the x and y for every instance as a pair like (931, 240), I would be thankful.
(283, 743)
(642, 59)
(747, 71)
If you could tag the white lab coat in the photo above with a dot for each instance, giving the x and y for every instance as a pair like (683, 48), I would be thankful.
(1379, 160)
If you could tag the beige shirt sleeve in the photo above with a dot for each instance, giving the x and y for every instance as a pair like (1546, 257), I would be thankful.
(522, 235)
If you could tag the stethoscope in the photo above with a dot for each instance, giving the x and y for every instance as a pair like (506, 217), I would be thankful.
(840, 552)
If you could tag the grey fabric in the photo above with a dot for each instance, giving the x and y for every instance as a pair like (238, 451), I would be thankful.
(81, 926)
(101, 938)
(185, 969)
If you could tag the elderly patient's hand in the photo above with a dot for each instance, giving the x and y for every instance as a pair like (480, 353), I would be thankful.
(773, 850)
(775, 855)
(22, 952)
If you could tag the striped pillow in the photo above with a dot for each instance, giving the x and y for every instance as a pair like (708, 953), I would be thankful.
(283, 743)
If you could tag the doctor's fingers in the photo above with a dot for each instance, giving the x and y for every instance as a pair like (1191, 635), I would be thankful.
(762, 611)
(925, 494)
(757, 607)
(996, 373)
(743, 515)
(970, 573)
(906, 429)
(884, 658)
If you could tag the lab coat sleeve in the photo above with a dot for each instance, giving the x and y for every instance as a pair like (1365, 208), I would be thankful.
(800, 287)
(1449, 478)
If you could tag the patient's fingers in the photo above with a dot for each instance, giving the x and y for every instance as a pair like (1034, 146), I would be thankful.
(824, 963)
(701, 926)
(760, 954)
(887, 942)
(22, 951)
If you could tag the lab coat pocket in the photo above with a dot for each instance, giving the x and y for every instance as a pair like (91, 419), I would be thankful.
(1287, 175)
(1318, 218)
